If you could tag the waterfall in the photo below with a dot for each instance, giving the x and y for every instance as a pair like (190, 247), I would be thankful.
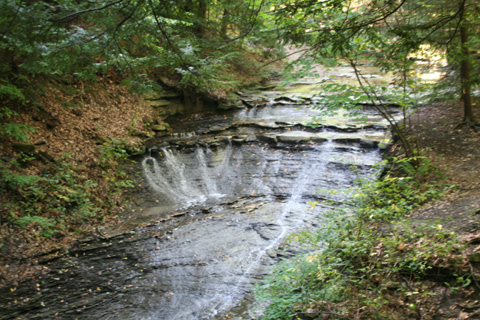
(172, 179)
(208, 182)
(192, 178)
(202, 175)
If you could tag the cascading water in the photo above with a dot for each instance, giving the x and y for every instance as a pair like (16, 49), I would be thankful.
(215, 268)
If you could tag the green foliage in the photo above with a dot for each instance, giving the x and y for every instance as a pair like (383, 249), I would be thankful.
(210, 74)
(19, 132)
(48, 226)
(60, 195)
(113, 157)
(10, 91)
(139, 40)
(111, 151)
(368, 257)
(16, 181)
(398, 193)
(8, 128)
(391, 36)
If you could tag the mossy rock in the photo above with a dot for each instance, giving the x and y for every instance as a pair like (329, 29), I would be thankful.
(160, 127)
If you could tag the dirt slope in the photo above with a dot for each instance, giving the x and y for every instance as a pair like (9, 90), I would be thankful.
(456, 151)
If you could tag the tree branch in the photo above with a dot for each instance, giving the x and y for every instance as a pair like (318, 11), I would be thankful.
(167, 38)
(250, 28)
(365, 24)
(381, 108)
(78, 13)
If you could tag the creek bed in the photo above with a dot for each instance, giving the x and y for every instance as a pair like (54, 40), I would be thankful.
(223, 201)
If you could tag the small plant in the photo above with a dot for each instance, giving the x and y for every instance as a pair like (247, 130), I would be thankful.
(111, 151)
(48, 226)
(113, 157)
(58, 197)
(8, 128)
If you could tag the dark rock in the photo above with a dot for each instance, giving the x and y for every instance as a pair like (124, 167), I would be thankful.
(347, 140)
(236, 104)
(318, 139)
(44, 157)
(24, 148)
(368, 143)
(270, 138)
(248, 103)
(266, 87)
(178, 214)
(285, 99)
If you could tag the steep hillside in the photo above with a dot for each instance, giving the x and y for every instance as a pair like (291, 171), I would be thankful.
(70, 175)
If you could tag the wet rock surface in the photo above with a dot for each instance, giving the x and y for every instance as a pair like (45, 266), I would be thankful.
(224, 194)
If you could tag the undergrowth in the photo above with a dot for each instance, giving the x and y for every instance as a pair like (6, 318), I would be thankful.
(371, 261)
(62, 197)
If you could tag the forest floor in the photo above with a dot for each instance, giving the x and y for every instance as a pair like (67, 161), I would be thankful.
(71, 122)
(456, 152)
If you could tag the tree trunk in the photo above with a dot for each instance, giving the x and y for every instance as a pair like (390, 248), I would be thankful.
(465, 70)
(202, 15)
(199, 9)
(224, 26)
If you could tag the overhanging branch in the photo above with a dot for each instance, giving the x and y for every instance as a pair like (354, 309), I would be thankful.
(74, 15)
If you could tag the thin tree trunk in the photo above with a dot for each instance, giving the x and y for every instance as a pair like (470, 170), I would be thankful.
(465, 71)
(202, 16)
(224, 26)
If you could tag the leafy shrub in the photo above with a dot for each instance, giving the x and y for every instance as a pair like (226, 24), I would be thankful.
(113, 156)
(48, 226)
(8, 128)
(368, 258)
(61, 195)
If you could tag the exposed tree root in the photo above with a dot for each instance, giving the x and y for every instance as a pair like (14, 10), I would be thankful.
(472, 125)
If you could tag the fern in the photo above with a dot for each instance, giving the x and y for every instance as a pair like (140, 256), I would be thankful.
(16, 181)
(19, 132)
(10, 91)
(46, 224)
